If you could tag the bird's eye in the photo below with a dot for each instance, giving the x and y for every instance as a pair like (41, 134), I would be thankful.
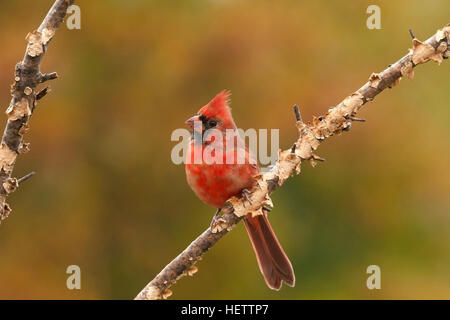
(212, 123)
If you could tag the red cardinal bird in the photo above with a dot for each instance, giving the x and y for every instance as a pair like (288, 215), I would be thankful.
(215, 182)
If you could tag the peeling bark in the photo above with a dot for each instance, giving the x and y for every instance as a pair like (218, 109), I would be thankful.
(24, 98)
(337, 120)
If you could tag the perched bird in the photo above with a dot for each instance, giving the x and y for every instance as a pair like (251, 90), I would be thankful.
(214, 182)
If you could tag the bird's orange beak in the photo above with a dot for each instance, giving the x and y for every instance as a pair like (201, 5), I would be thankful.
(190, 122)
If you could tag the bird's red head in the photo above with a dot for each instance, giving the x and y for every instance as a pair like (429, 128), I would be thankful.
(216, 114)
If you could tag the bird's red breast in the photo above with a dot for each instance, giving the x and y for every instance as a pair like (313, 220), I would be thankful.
(217, 182)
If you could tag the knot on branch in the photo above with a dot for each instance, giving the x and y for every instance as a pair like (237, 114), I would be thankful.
(5, 210)
(166, 294)
(7, 158)
(24, 129)
(18, 110)
(37, 41)
(24, 147)
(10, 185)
(220, 224)
(422, 52)
(374, 80)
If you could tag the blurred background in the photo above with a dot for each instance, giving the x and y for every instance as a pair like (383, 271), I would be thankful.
(107, 197)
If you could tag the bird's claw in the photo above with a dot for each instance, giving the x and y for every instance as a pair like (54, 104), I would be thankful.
(245, 195)
(218, 223)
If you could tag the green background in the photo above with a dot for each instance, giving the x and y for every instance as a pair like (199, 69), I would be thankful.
(107, 197)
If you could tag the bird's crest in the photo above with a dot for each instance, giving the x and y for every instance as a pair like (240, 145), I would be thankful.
(218, 107)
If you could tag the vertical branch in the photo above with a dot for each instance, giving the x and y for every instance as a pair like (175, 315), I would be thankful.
(27, 77)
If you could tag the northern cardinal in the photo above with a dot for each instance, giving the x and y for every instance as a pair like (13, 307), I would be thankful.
(216, 182)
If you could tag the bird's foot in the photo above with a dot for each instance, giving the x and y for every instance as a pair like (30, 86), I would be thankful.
(245, 194)
(218, 223)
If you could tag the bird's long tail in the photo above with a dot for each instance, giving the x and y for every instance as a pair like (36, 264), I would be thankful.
(272, 260)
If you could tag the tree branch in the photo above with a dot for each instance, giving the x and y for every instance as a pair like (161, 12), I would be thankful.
(24, 98)
(337, 120)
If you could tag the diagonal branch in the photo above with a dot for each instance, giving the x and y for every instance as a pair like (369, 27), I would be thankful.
(337, 120)
(24, 98)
